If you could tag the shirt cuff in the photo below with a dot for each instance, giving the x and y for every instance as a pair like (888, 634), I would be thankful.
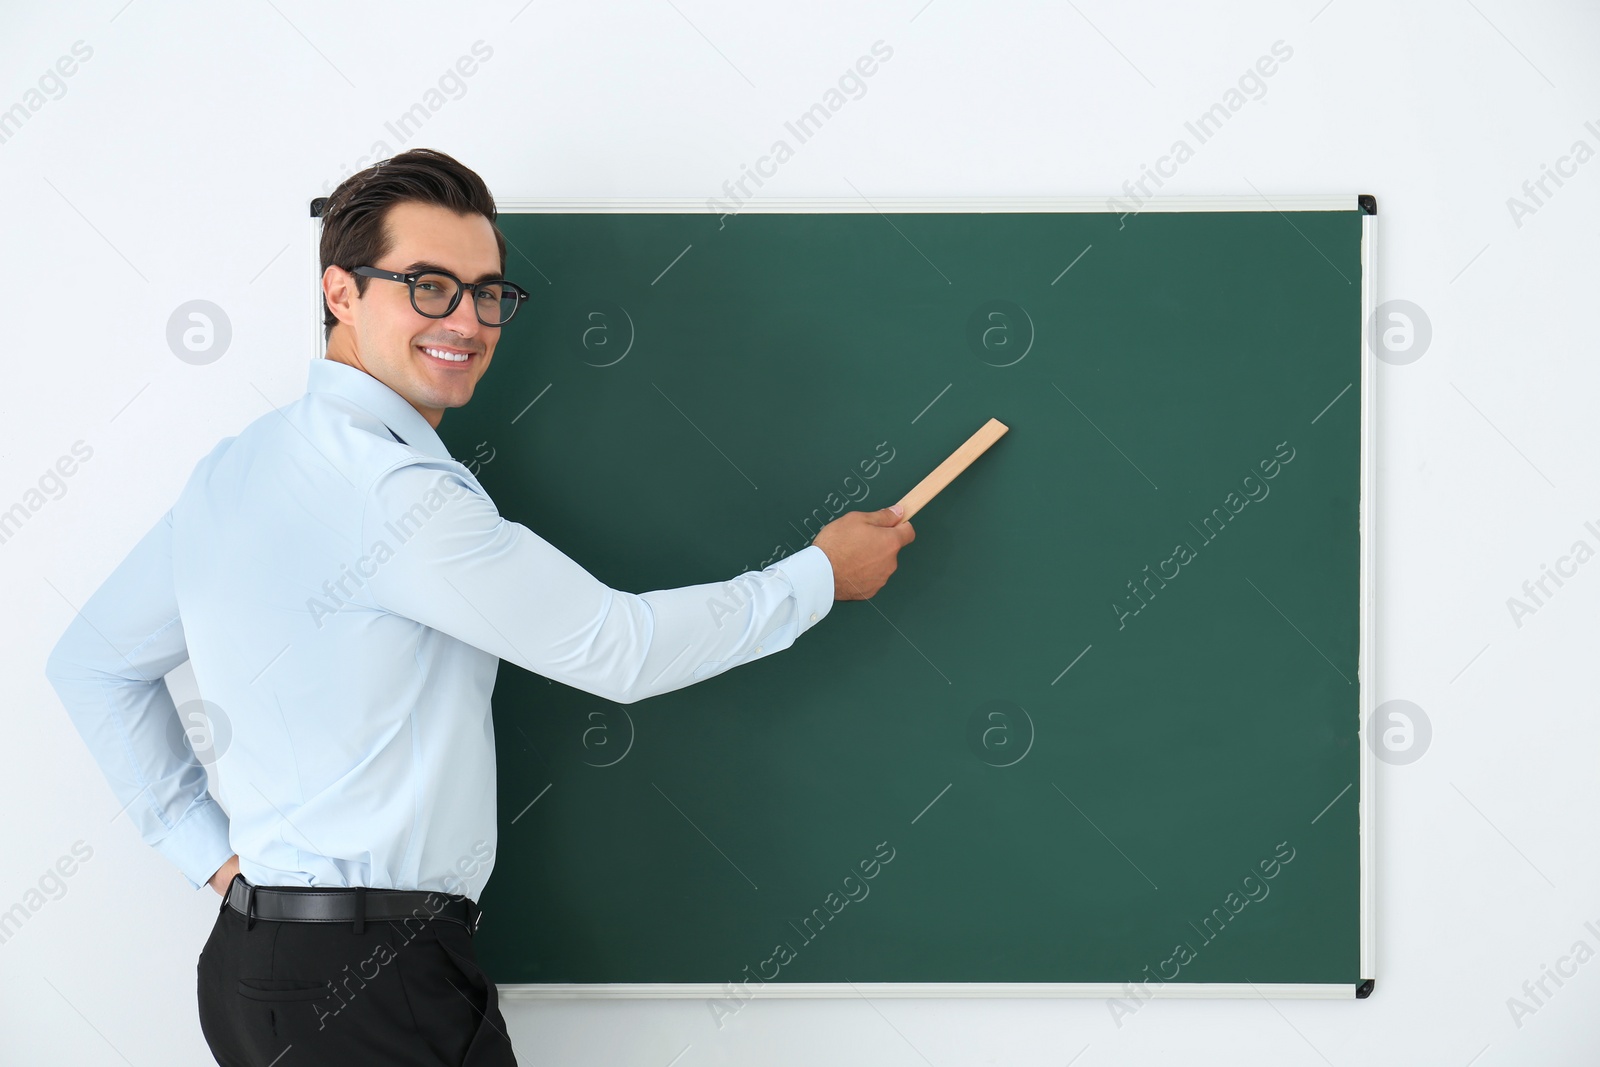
(811, 576)
(198, 845)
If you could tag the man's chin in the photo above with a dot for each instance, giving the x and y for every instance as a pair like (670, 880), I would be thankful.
(450, 398)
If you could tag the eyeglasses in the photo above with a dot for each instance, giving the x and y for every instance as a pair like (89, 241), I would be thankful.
(435, 294)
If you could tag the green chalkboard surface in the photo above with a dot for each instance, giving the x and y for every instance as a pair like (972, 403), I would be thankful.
(1104, 723)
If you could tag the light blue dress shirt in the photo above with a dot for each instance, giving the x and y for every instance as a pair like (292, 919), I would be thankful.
(346, 591)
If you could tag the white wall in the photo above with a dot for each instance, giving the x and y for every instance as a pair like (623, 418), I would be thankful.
(178, 163)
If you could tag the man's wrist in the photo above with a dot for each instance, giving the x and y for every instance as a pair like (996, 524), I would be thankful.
(223, 876)
(810, 574)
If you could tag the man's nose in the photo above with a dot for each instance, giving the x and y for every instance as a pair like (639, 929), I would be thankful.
(464, 319)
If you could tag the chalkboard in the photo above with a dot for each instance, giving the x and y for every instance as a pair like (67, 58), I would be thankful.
(1105, 725)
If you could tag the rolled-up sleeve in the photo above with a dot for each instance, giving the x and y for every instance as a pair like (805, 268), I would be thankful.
(109, 668)
(461, 568)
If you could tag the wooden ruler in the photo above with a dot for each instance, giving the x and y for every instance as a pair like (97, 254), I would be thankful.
(946, 472)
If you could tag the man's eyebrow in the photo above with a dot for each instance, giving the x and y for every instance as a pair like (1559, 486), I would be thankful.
(420, 265)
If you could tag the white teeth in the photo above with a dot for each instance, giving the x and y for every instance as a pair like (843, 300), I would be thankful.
(453, 357)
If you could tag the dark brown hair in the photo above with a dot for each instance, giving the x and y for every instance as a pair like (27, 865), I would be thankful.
(353, 230)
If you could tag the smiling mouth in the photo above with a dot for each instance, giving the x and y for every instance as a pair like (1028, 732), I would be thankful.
(448, 356)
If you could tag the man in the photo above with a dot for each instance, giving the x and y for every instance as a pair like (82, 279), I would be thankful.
(345, 591)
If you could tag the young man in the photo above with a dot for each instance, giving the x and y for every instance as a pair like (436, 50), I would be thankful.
(345, 591)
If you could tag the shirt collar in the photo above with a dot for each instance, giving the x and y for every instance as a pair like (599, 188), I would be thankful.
(394, 410)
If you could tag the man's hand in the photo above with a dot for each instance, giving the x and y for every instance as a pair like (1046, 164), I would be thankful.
(863, 546)
(224, 876)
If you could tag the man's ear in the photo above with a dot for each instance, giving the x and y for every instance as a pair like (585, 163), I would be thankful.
(339, 290)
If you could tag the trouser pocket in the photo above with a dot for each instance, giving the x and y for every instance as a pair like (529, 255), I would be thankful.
(490, 1045)
(278, 990)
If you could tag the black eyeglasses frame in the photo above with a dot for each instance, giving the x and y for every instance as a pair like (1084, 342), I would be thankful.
(410, 279)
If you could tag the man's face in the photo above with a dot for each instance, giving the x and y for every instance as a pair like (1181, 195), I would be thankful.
(389, 339)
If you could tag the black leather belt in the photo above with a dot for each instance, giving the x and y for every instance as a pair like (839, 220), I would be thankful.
(357, 905)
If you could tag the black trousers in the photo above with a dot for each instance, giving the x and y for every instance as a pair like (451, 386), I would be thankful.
(407, 993)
